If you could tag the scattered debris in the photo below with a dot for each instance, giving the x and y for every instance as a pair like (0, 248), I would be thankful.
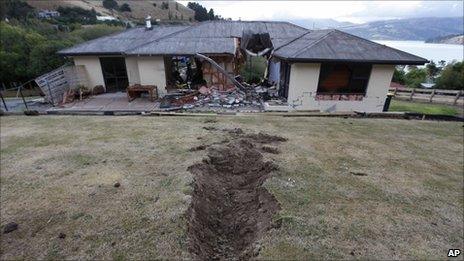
(210, 128)
(210, 121)
(197, 148)
(272, 150)
(234, 131)
(10, 227)
(358, 173)
(117, 185)
(265, 138)
(230, 209)
(212, 98)
(31, 113)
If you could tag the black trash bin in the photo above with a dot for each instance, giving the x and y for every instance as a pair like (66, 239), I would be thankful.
(386, 105)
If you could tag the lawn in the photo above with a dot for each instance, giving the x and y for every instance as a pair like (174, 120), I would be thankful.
(347, 188)
(427, 108)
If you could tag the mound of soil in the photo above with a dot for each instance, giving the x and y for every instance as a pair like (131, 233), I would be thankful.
(230, 209)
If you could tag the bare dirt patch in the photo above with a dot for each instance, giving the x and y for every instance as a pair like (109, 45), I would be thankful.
(230, 208)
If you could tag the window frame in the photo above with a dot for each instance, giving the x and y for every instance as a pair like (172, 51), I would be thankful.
(351, 78)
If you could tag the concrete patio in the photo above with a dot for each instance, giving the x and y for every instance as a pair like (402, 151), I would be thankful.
(108, 102)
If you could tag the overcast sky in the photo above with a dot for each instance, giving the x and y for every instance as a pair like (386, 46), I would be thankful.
(351, 11)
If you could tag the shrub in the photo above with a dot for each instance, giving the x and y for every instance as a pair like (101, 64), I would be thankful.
(125, 8)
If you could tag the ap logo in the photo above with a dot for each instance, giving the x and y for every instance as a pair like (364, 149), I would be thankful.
(454, 252)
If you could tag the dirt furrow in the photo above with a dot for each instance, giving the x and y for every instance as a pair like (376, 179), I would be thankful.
(230, 208)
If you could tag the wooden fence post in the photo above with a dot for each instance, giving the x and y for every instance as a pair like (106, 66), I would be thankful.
(456, 98)
(412, 94)
(431, 95)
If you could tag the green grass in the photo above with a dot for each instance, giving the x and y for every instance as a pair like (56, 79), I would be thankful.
(407, 106)
(57, 175)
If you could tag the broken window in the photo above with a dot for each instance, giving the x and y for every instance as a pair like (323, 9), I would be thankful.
(339, 78)
(182, 72)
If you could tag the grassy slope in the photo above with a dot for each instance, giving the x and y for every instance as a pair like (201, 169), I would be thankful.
(140, 9)
(397, 105)
(57, 175)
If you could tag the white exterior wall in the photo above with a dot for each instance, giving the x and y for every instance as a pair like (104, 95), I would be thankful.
(304, 78)
(151, 71)
(132, 68)
(92, 68)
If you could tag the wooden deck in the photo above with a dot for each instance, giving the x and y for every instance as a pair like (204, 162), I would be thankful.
(116, 102)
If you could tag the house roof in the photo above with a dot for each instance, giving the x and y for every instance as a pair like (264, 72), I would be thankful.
(291, 42)
(335, 45)
(120, 42)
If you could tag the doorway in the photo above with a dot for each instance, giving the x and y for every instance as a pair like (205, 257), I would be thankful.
(114, 73)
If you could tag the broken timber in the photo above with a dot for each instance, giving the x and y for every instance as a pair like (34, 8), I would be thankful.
(213, 63)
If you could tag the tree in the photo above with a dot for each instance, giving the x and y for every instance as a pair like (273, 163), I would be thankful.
(211, 15)
(125, 8)
(17, 9)
(399, 75)
(164, 5)
(110, 4)
(415, 76)
(432, 69)
(95, 31)
(69, 15)
(452, 77)
(201, 14)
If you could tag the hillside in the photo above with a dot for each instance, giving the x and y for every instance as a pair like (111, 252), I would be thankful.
(319, 23)
(408, 29)
(449, 39)
(139, 9)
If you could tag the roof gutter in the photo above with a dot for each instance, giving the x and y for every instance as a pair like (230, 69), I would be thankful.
(315, 60)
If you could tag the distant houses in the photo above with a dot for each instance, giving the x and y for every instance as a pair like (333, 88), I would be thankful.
(106, 18)
(48, 14)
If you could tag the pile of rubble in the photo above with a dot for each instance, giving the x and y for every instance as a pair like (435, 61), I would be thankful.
(212, 98)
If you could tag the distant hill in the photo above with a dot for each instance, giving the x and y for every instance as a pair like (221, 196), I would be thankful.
(320, 23)
(408, 29)
(449, 39)
(171, 11)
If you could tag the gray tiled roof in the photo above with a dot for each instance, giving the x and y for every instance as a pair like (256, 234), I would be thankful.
(120, 42)
(328, 45)
(291, 42)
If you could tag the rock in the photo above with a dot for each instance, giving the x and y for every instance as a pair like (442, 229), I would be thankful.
(117, 185)
(10, 227)
(62, 235)
(99, 89)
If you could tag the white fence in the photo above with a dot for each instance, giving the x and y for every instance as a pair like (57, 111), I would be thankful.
(453, 97)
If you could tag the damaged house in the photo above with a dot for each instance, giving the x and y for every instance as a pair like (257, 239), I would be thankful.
(325, 70)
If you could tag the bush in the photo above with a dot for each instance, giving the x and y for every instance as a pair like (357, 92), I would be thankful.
(69, 15)
(125, 8)
(415, 77)
(28, 51)
(452, 77)
(256, 72)
(96, 31)
(399, 76)
(110, 4)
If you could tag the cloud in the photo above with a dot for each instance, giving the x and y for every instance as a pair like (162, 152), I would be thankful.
(353, 11)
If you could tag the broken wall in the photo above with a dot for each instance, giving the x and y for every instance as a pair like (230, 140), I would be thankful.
(92, 68)
(214, 77)
(151, 71)
(132, 68)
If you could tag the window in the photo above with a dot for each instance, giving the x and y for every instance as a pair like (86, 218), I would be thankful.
(343, 78)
